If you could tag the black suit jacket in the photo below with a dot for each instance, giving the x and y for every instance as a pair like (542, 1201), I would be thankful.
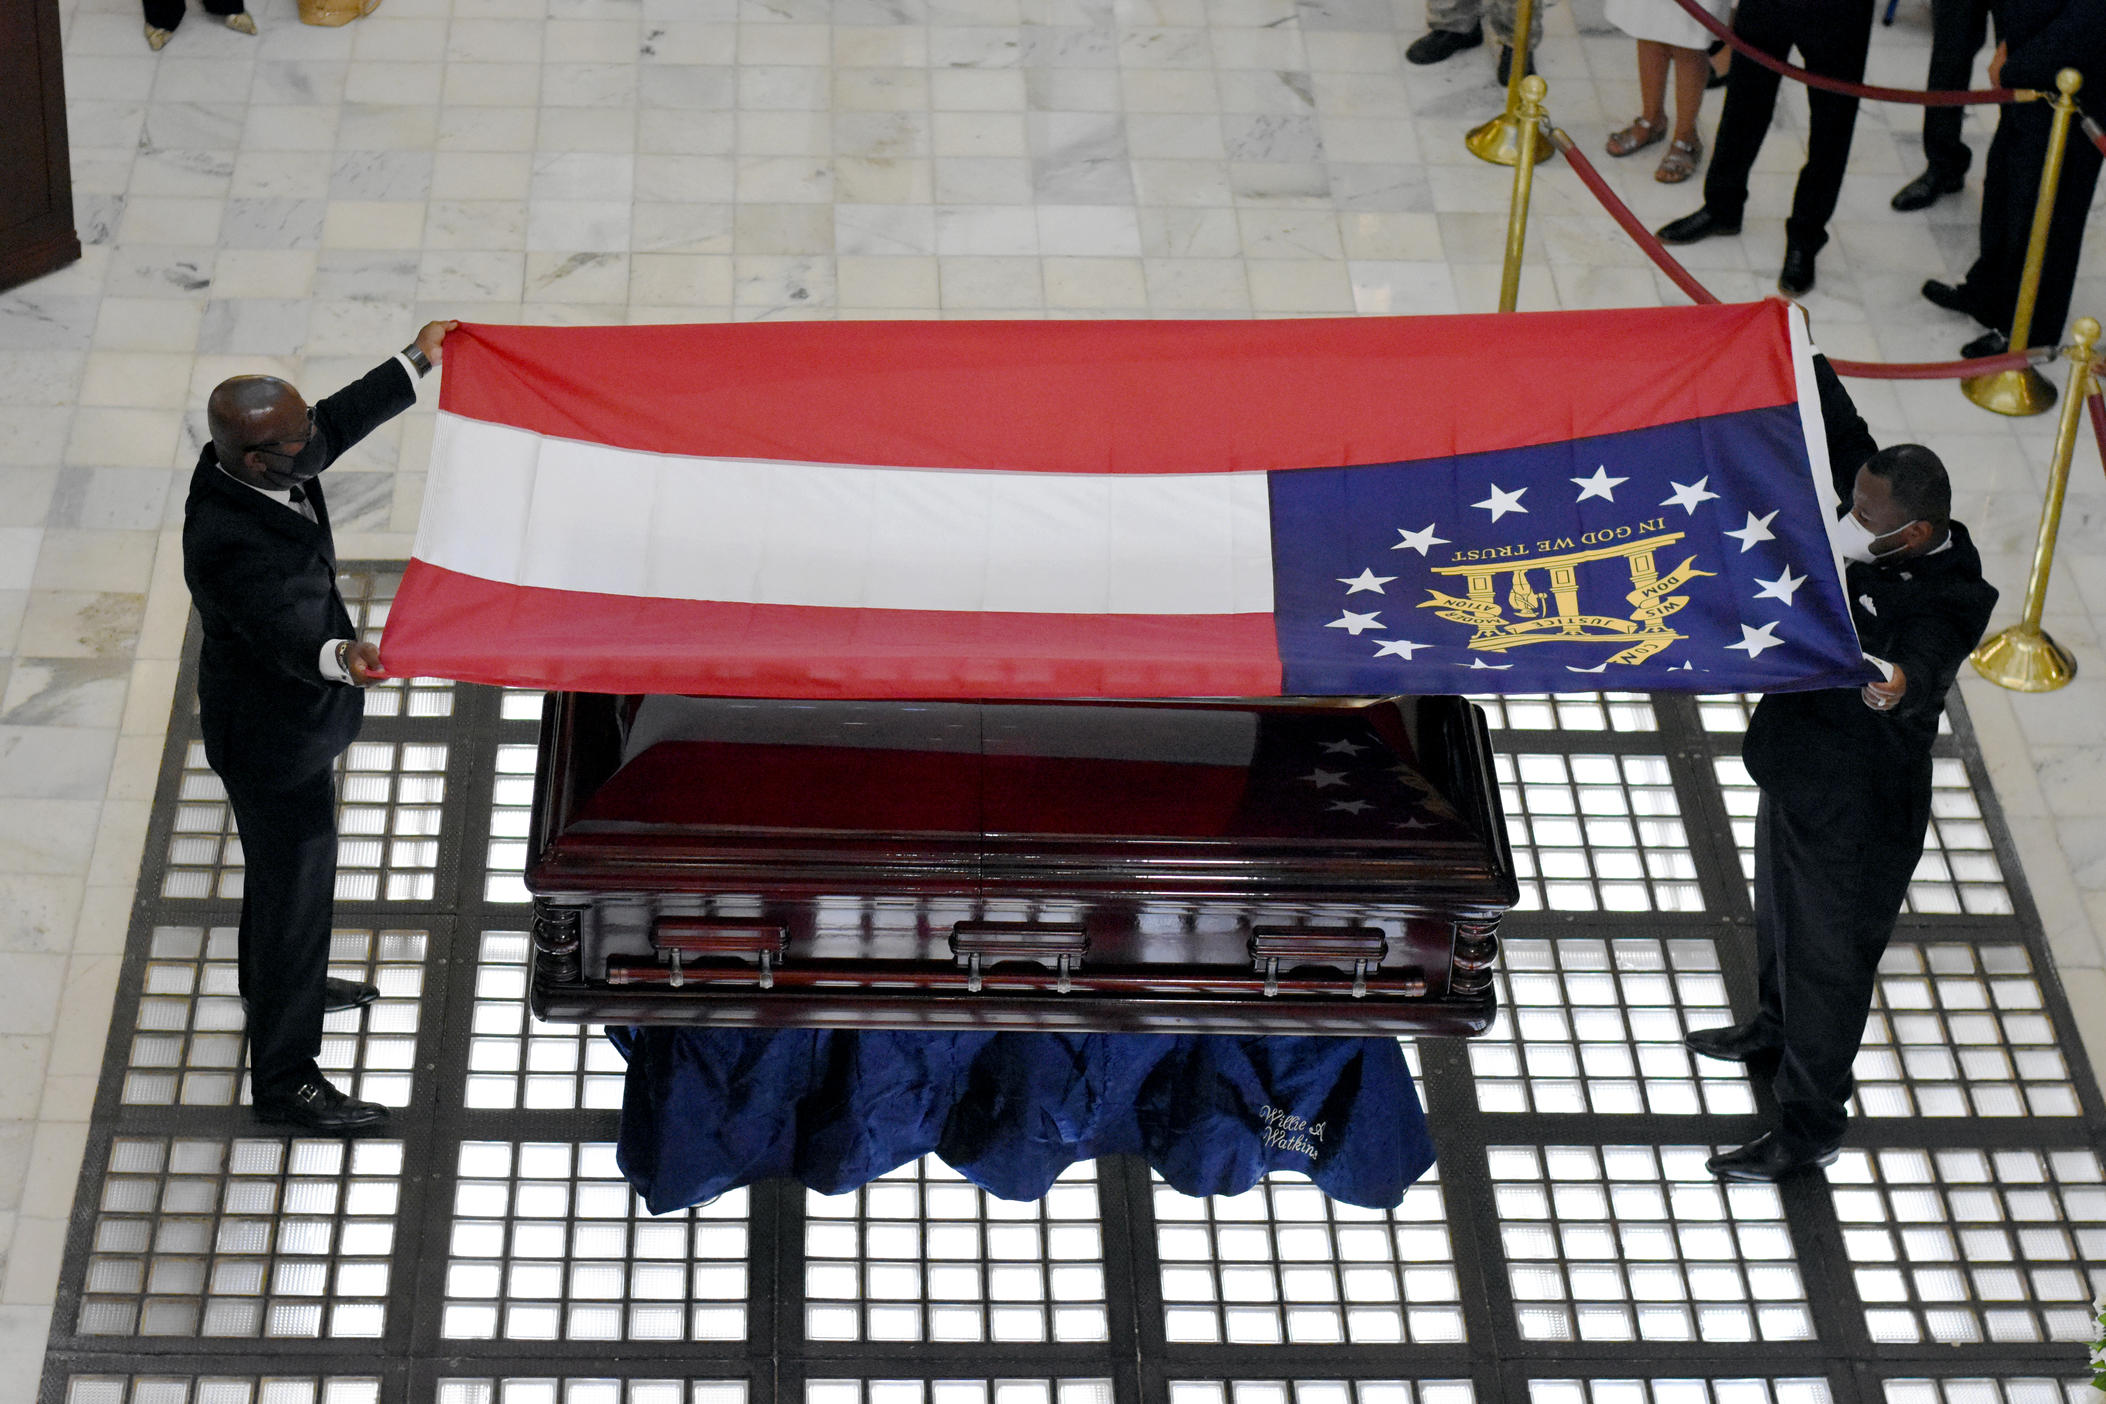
(2043, 37)
(263, 579)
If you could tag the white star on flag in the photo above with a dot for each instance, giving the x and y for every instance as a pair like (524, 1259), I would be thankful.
(1687, 495)
(1419, 540)
(1342, 748)
(1398, 648)
(1354, 624)
(1325, 779)
(1350, 806)
(1367, 580)
(1597, 668)
(1757, 529)
(1754, 641)
(1598, 484)
(1411, 823)
(1502, 502)
(1782, 588)
(1480, 665)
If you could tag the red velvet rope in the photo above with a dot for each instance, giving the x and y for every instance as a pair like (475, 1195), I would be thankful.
(1918, 96)
(1685, 280)
(2093, 130)
(2097, 405)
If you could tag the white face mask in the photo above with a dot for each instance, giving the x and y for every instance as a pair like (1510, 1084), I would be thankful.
(1853, 539)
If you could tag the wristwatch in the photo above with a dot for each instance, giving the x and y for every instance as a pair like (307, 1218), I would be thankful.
(343, 656)
(416, 357)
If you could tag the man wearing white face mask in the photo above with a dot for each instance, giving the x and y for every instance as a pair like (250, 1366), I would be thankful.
(1846, 782)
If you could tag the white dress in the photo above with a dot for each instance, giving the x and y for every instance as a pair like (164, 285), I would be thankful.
(1664, 21)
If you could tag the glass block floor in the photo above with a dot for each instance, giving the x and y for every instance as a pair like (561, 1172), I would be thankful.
(1568, 1250)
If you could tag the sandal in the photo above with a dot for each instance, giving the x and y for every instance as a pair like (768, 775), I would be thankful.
(1680, 162)
(1636, 137)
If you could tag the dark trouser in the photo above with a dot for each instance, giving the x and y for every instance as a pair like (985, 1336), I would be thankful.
(1958, 28)
(1834, 37)
(1826, 896)
(167, 14)
(2010, 185)
(288, 845)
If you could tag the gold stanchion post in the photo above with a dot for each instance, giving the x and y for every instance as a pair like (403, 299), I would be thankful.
(2025, 390)
(1533, 91)
(1499, 140)
(2023, 658)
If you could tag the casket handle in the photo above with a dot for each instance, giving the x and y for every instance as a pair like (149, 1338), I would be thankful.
(1346, 949)
(1059, 945)
(676, 937)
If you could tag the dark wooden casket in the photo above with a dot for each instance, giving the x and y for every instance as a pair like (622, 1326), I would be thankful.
(1289, 866)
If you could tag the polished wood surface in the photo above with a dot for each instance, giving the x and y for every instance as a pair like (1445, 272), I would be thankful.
(36, 183)
(1235, 895)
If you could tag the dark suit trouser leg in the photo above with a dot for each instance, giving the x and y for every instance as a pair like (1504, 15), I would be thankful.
(1832, 895)
(2010, 188)
(1958, 29)
(288, 843)
(1751, 98)
(1835, 45)
(164, 14)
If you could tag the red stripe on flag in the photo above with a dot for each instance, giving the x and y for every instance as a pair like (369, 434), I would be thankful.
(460, 626)
(1123, 397)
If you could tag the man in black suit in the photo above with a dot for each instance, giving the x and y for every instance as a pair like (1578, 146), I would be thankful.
(2040, 39)
(1846, 785)
(1833, 36)
(279, 679)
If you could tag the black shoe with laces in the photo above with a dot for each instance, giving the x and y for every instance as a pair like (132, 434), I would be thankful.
(1437, 44)
(1797, 277)
(1926, 190)
(347, 994)
(1735, 1043)
(1950, 296)
(316, 1105)
(1692, 227)
(1993, 343)
(1770, 1157)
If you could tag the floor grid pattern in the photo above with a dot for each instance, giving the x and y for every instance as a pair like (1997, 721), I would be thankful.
(1569, 1249)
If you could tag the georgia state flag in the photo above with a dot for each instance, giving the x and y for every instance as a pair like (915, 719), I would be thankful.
(1525, 503)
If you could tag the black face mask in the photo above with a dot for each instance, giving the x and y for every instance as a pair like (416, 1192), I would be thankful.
(296, 468)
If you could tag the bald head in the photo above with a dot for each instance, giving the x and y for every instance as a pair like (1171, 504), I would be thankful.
(249, 410)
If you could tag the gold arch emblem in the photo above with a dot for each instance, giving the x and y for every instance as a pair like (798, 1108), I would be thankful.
(1552, 614)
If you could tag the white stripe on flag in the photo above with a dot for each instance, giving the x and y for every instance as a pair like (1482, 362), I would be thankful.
(521, 508)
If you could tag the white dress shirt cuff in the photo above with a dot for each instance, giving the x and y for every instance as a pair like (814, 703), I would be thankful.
(328, 665)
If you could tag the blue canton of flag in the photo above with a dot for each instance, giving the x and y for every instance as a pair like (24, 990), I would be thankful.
(1690, 557)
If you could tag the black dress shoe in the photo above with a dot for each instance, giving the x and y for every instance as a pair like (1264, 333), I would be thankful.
(1926, 190)
(1993, 343)
(1506, 65)
(317, 1105)
(1437, 44)
(346, 994)
(1692, 227)
(1735, 1043)
(1797, 277)
(1953, 298)
(1769, 1157)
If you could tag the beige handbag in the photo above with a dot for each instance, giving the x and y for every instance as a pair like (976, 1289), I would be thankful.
(331, 13)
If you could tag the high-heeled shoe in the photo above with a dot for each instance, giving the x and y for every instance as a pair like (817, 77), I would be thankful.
(157, 38)
(241, 21)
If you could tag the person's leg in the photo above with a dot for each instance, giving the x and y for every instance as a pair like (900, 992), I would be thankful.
(1652, 81)
(1751, 99)
(1453, 16)
(164, 14)
(2010, 184)
(1501, 14)
(1835, 39)
(2058, 268)
(288, 841)
(1839, 894)
(1958, 28)
(1768, 1022)
(1692, 68)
